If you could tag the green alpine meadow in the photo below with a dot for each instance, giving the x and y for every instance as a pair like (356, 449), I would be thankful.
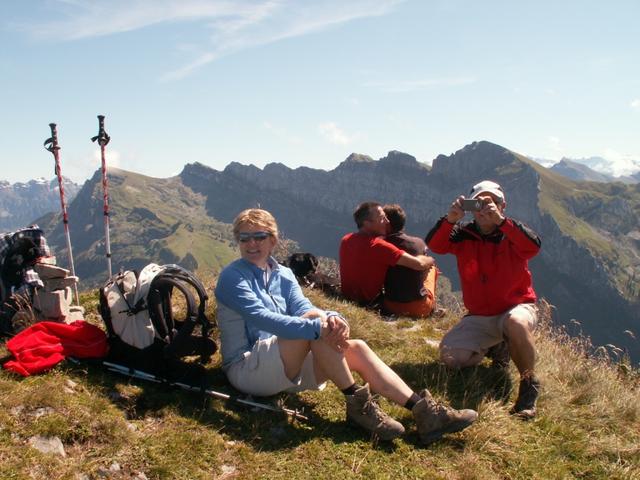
(111, 426)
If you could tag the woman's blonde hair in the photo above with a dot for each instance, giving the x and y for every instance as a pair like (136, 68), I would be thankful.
(258, 218)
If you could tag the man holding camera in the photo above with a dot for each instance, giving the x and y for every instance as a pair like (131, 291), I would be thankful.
(492, 254)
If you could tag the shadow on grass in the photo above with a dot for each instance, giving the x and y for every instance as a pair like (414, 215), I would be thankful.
(262, 429)
(465, 388)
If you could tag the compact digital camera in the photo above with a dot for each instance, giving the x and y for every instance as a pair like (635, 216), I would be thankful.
(471, 204)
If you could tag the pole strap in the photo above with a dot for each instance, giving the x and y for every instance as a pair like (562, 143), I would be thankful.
(102, 138)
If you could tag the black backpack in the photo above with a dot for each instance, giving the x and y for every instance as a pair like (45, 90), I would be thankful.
(19, 251)
(143, 333)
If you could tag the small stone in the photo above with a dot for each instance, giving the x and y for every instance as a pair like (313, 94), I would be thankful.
(48, 445)
(70, 383)
(141, 476)
(17, 410)
(41, 412)
(114, 467)
(231, 443)
(227, 470)
(132, 427)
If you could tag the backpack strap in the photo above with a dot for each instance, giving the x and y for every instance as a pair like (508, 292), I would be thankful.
(160, 311)
(186, 276)
(183, 341)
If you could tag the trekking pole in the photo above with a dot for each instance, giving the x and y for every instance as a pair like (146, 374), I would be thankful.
(51, 145)
(113, 367)
(103, 139)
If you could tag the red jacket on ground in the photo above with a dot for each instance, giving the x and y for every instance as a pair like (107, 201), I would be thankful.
(44, 344)
(364, 260)
(494, 269)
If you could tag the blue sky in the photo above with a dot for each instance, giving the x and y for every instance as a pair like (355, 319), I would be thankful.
(309, 82)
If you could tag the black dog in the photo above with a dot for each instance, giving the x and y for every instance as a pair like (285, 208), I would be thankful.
(304, 266)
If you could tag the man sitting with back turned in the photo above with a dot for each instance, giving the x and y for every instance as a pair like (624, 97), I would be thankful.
(365, 257)
(492, 253)
(407, 292)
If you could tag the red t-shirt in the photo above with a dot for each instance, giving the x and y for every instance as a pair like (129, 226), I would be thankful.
(364, 260)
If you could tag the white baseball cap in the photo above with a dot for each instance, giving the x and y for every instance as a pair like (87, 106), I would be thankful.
(487, 186)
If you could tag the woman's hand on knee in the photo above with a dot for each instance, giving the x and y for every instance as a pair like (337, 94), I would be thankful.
(336, 333)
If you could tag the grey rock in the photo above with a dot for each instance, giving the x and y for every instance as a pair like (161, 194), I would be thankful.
(42, 411)
(52, 445)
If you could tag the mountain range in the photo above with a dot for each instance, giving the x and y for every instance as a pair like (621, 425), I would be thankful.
(581, 171)
(588, 267)
(22, 203)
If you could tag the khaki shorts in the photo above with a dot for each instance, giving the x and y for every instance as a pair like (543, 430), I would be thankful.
(261, 372)
(479, 333)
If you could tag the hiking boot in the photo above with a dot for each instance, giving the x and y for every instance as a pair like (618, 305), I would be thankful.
(499, 355)
(363, 411)
(525, 406)
(434, 419)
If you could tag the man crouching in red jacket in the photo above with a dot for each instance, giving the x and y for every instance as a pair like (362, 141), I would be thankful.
(492, 253)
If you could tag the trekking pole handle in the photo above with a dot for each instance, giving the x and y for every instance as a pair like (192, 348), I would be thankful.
(51, 144)
(102, 137)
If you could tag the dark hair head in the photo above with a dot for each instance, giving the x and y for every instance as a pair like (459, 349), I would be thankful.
(396, 216)
(363, 211)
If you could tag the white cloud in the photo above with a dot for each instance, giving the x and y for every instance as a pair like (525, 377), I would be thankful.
(554, 144)
(545, 162)
(232, 25)
(618, 164)
(635, 103)
(334, 134)
(403, 86)
(112, 158)
(282, 133)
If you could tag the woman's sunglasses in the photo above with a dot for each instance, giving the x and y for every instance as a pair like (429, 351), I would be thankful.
(244, 237)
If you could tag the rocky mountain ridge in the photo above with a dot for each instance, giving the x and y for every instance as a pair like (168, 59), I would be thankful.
(590, 261)
(22, 203)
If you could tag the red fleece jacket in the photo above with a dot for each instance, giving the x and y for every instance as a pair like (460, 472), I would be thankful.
(494, 270)
(45, 344)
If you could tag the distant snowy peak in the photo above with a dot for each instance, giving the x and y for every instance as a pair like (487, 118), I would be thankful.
(598, 169)
(23, 202)
(622, 166)
(579, 171)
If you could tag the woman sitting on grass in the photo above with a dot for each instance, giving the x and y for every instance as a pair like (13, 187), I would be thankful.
(273, 340)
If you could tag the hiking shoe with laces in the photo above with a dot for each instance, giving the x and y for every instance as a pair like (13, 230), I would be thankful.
(434, 419)
(364, 411)
(499, 355)
(525, 406)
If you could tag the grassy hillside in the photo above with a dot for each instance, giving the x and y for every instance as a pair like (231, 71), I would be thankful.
(588, 424)
(152, 220)
(602, 217)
